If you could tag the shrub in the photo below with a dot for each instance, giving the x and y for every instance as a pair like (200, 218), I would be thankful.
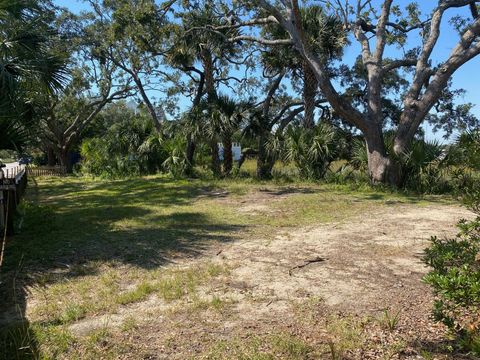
(455, 278)
(129, 147)
(471, 196)
(423, 167)
(465, 151)
(175, 162)
(312, 150)
(359, 157)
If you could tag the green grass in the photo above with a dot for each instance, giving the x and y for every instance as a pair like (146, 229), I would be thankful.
(344, 333)
(144, 221)
(278, 346)
(88, 247)
(67, 301)
(130, 323)
(141, 292)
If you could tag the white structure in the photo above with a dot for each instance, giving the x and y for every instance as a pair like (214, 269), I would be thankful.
(236, 151)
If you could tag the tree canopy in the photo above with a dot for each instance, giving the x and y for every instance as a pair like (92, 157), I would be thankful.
(283, 65)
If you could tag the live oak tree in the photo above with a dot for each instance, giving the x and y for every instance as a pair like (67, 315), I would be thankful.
(133, 36)
(68, 113)
(276, 110)
(269, 118)
(376, 28)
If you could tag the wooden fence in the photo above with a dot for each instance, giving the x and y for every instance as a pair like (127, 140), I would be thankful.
(46, 170)
(13, 182)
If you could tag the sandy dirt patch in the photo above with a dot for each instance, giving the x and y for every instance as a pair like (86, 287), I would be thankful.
(356, 268)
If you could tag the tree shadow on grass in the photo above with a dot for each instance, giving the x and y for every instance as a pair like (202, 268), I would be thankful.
(290, 190)
(403, 198)
(145, 224)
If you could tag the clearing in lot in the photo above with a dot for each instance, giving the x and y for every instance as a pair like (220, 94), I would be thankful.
(154, 268)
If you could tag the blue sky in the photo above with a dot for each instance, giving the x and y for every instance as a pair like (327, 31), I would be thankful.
(467, 77)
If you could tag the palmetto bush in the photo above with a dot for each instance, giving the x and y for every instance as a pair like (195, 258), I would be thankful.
(175, 161)
(359, 157)
(312, 150)
(465, 152)
(422, 167)
(13, 134)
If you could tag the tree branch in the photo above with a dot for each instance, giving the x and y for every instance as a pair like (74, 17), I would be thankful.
(271, 92)
(261, 21)
(395, 64)
(410, 28)
(381, 33)
(262, 41)
(417, 108)
(80, 122)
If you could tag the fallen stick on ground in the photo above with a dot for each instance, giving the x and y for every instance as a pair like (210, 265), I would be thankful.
(307, 262)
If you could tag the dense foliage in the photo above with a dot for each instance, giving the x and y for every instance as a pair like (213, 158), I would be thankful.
(202, 75)
(126, 147)
(311, 150)
(129, 88)
(455, 278)
(30, 66)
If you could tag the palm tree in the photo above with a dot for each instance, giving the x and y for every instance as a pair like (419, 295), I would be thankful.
(312, 150)
(231, 118)
(28, 65)
(215, 123)
(198, 51)
(326, 38)
(14, 136)
(192, 129)
(214, 126)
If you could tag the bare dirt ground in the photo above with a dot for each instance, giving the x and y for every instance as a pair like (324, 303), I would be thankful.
(349, 290)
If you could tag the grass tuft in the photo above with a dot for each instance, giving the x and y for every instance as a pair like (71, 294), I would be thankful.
(141, 292)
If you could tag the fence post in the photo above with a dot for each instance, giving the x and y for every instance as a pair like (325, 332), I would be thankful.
(10, 196)
(2, 210)
(2, 202)
(11, 203)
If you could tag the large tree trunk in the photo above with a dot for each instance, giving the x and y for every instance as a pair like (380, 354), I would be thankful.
(381, 169)
(264, 162)
(227, 155)
(402, 139)
(309, 91)
(410, 121)
(64, 156)
(190, 156)
(50, 156)
(207, 63)
(157, 122)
